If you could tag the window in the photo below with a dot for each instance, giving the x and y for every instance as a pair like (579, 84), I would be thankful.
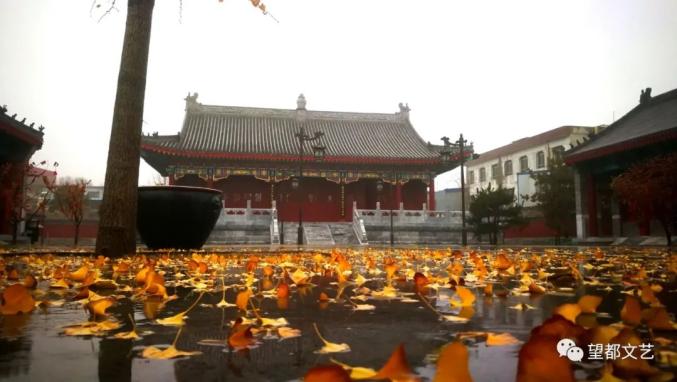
(540, 159)
(524, 163)
(471, 177)
(494, 171)
(558, 152)
(507, 167)
(483, 175)
(258, 197)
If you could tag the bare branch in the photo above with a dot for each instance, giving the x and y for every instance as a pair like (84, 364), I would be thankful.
(109, 10)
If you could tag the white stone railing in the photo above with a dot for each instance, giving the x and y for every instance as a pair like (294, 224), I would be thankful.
(246, 216)
(402, 217)
(274, 228)
(358, 227)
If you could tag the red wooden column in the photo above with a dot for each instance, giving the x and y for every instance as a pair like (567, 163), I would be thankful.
(210, 181)
(171, 180)
(398, 195)
(272, 192)
(431, 196)
(592, 205)
(342, 201)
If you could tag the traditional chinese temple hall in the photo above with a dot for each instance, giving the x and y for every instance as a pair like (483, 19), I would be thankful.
(254, 154)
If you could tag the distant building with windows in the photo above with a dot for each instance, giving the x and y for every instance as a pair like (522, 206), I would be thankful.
(512, 165)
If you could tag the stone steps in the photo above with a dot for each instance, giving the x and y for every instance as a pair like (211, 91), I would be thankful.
(239, 235)
(318, 234)
(422, 237)
(343, 233)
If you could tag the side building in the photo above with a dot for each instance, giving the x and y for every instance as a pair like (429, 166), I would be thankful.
(18, 142)
(646, 131)
(512, 166)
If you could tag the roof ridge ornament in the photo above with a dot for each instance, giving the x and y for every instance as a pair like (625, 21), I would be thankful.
(404, 111)
(191, 101)
(301, 102)
(645, 96)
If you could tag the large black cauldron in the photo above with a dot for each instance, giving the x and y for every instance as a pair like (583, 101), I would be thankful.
(177, 216)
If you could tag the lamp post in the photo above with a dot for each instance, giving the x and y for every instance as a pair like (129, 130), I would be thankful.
(446, 157)
(379, 188)
(318, 153)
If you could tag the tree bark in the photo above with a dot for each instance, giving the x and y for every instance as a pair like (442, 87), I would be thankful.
(117, 216)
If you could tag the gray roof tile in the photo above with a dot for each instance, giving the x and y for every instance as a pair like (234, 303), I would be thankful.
(248, 130)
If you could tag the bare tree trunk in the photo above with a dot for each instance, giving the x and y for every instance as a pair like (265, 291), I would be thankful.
(117, 222)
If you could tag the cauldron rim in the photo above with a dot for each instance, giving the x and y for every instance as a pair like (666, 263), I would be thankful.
(179, 188)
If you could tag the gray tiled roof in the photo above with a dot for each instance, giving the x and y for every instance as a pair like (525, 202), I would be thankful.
(248, 130)
(20, 128)
(657, 115)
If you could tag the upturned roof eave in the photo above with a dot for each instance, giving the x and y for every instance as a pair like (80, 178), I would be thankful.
(278, 157)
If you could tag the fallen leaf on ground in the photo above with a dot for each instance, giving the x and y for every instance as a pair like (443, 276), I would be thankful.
(502, 339)
(539, 362)
(396, 368)
(330, 347)
(98, 307)
(452, 364)
(153, 352)
(465, 297)
(589, 303)
(568, 311)
(178, 319)
(327, 373)
(631, 313)
(16, 299)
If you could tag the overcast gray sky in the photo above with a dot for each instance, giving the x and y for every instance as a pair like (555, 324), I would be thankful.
(494, 70)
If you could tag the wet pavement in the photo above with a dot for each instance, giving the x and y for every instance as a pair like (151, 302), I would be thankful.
(34, 348)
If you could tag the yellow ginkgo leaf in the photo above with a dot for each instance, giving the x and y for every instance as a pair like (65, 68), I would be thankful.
(356, 372)
(242, 299)
(589, 303)
(286, 332)
(299, 277)
(502, 339)
(178, 319)
(465, 297)
(568, 311)
(91, 328)
(153, 352)
(98, 307)
(330, 347)
(80, 274)
(16, 299)
(452, 365)
(59, 284)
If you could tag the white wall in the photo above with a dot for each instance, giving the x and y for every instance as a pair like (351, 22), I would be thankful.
(522, 183)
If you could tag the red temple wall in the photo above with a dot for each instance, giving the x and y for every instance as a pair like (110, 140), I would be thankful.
(238, 189)
(320, 198)
(414, 194)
